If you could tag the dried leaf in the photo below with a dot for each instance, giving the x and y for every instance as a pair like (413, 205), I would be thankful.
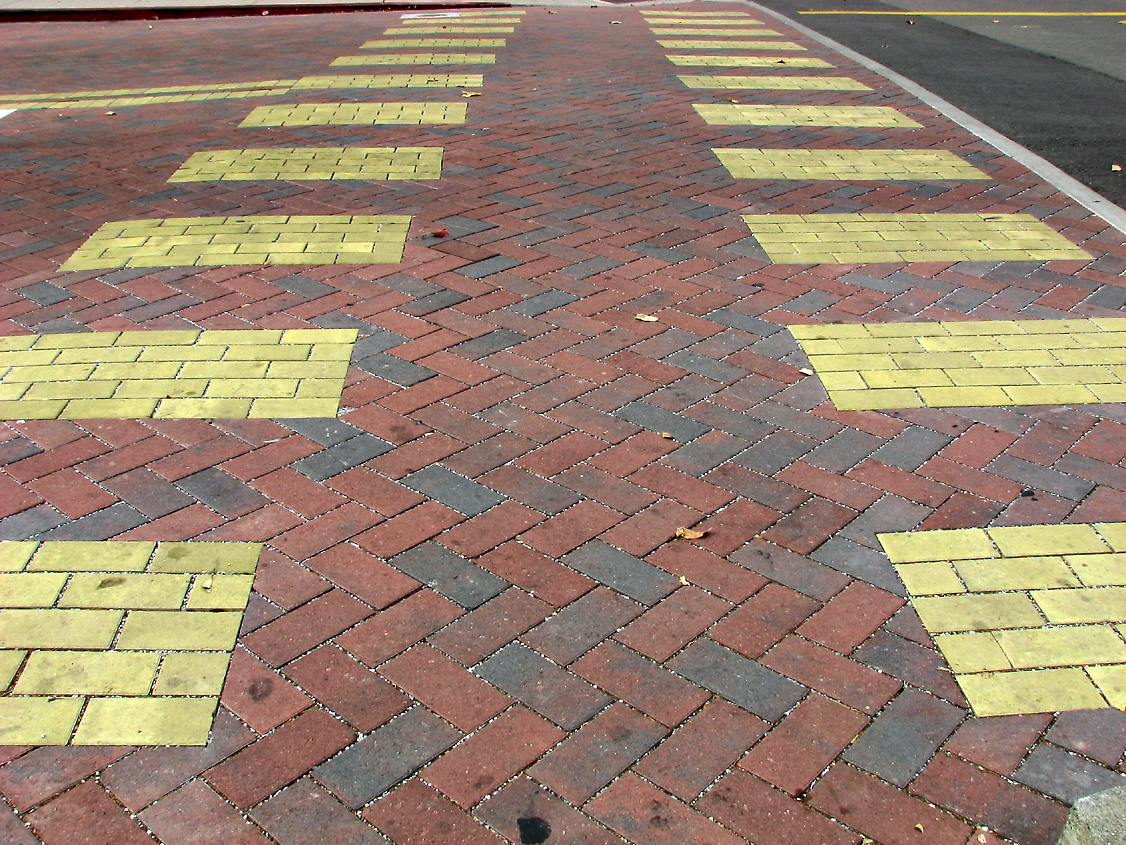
(646, 318)
(683, 581)
(471, 93)
(207, 582)
(667, 435)
(805, 371)
(1115, 167)
(440, 233)
(919, 828)
(689, 534)
(615, 22)
(113, 112)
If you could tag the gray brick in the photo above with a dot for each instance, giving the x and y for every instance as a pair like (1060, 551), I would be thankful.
(453, 490)
(912, 448)
(395, 370)
(672, 256)
(581, 625)
(100, 525)
(222, 493)
(725, 419)
(843, 450)
(45, 293)
(740, 680)
(738, 320)
(487, 344)
(303, 814)
(342, 456)
(590, 267)
(905, 736)
(378, 341)
(860, 562)
(433, 302)
(707, 367)
(1065, 776)
(325, 432)
(533, 680)
(653, 418)
(449, 574)
(303, 286)
(459, 225)
(336, 320)
(481, 269)
(623, 572)
(542, 303)
(29, 523)
(775, 452)
(890, 513)
(905, 659)
(388, 755)
(702, 456)
(1040, 478)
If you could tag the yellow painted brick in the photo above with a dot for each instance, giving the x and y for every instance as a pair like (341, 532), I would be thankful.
(1099, 570)
(294, 408)
(51, 372)
(778, 83)
(1025, 358)
(745, 61)
(91, 556)
(930, 578)
(160, 388)
(10, 663)
(158, 338)
(88, 673)
(206, 558)
(192, 673)
(115, 409)
(977, 612)
(1026, 540)
(202, 409)
(1030, 691)
(964, 397)
(319, 370)
(1108, 393)
(1113, 533)
(38, 720)
(823, 331)
(132, 590)
(988, 376)
(677, 44)
(223, 369)
(946, 545)
(146, 721)
(905, 378)
(1083, 605)
(1111, 682)
(21, 628)
(288, 352)
(874, 400)
(315, 336)
(14, 554)
(1016, 573)
(17, 342)
(180, 630)
(273, 388)
(853, 362)
(31, 409)
(842, 381)
(239, 337)
(30, 589)
(98, 355)
(976, 651)
(220, 592)
(1071, 646)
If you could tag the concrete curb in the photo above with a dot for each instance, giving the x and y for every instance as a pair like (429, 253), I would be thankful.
(1098, 819)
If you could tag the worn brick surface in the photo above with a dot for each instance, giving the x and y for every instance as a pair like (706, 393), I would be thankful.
(472, 618)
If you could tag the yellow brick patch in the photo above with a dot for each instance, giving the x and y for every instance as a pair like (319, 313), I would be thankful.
(729, 45)
(710, 20)
(685, 30)
(453, 30)
(394, 80)
(781, 83)
(843, 116)
(191, 374)
(309, 163)
(147, 672)
(401, 43)
(251, 239)
(145, 96)
(777, 62)
(1023, 614)
(978, 363)
(417, 59)
(147, 100)
(847, 165)
(356, 114)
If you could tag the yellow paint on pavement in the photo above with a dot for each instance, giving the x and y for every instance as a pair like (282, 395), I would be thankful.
(312, 163)
(782, 83)
(400, 43)
(417, 59)
(398, 80)
(774, 62)
(356, 114)
(730, 45)
(847, 165)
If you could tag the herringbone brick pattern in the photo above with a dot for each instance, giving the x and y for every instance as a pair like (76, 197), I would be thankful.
(474, 618)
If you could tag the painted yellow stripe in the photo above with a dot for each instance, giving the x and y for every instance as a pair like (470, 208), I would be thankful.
(973, 14)
(312, 163)
(847, 165)
(355, 114)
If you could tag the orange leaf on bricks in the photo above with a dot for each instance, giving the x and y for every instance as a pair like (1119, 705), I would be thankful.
(689, 534)
(646, 318)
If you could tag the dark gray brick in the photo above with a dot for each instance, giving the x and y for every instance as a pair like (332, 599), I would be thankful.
(453, 490)
(481, 269)
(449, 574)
(1065, 776)
(377, 341)
(746, 322)
(31, 522)
(336, 320)
(17, 449)
(100, 525)
(304, 286)
(459, 225)
(45, 293)
(702, 456)
(533, 680)
(433, 302)
(303, 814)
(582, 624)
(395, 370)
(653, 418)
(664, 253)
(542, 303)
(905, 736)
(222, 493)
(343, 456)
(388, 755)
(843, 450)
(907, 660)
(859, 562)
(912, 448)
(740, 680)
(487, 344)
(1040, 478)
(707, 367)
(590, 267)
(326, 432)
(623, 572)
(890, 513)
(775, 452)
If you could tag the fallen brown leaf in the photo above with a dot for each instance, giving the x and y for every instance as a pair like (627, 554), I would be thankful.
(646, 318)
(689, 534)
(440, 233)
(666, 435)
(683, 581)
(471, 93)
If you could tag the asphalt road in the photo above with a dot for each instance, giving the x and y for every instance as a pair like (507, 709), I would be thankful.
(1055, 84)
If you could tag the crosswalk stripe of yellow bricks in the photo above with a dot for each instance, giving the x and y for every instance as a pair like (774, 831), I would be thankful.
(117, 643)
(746, 61)
(718, 114)
(174, 374)
(398, 80)
(726, 33)
(247, 240)
(708, 21)
(729, 45)
(453, 30)
(796, 83)
(847, 165)
(417, 59)
(1031, 619)
(84, 100)
(310, 163)
(977, 363)
(356, 114)
(867, 238)
(400, 43)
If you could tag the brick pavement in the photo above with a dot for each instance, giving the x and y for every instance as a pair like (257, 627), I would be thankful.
(473, 616)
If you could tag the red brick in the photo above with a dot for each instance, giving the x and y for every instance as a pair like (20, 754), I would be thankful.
(970, 480)
(86, 449)
(540, 576)
(367, 578)
(494, 624)
(835, 676)
(73, 494)
(46, 771)
(524, 799)
(901, 483)
(649, 529)
(278, 759)
(374, 491)
(266, 459)
(195, 814)
(829, 485)
(446, 687)
(684, 488)
(710, 571)
(256, 527)
(258, 695)
(399, 627)
(803, 744)
(191, 460)
(309, 625)
(1105, 442)
(667, 627)
(809, 525)
(631, 455)
(642, 813)
(883, 812)
(734, 525)
(298, 493)
(503, 747)
(701, 749)
(489, 530)
(760, 813)
(284, 582)
(489, 454)
(570, 529)
(978, 445)
(15, 498)
(415, 814)
(326, 530)
(420, 395)
(415, 455)
(408, 529)
(999, 743)
(763, 620)
(348, 688)
(561, 454)
(12, 830)
(850, 617)
(86, 814)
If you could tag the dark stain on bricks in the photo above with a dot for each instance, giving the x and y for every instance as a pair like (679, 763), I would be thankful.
(533, 830)
(260, 690)
(112, 581)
